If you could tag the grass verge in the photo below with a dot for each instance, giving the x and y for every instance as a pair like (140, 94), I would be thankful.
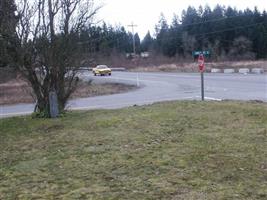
(174, 150)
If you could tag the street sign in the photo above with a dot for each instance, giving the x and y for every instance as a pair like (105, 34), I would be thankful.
(201, 63)
(197, 53)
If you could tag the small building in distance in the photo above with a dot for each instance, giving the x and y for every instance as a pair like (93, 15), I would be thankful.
(145, 54)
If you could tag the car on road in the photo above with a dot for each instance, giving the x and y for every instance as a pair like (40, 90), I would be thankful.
(102, 70)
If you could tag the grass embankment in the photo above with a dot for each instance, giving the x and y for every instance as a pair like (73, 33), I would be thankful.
(175, 150)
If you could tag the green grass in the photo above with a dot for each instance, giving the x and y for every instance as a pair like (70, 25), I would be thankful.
(174, 150)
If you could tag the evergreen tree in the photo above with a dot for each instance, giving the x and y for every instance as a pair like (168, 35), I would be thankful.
(162, 36)
(147, 42)
(176, 31)
(217, 29)
(137, 43)
(198, 29)
(8, 22)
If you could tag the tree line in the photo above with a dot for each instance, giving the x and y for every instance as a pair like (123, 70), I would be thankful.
(225, 31)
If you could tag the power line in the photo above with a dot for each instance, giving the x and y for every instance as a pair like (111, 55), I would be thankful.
(219, 31)
(214, 20)
(201, 34)
(230, 29)
(133, 25)
(198, 23)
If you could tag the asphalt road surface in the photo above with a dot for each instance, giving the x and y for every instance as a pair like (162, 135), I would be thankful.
(155, 87)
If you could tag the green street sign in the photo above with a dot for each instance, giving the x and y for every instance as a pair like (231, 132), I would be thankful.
(197, 53)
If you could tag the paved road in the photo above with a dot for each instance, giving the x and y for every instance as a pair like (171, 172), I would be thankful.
(157, 87)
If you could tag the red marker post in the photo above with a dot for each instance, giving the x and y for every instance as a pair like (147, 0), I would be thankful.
(201, 66)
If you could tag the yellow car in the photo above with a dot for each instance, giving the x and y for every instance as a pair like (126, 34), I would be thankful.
(101, 70)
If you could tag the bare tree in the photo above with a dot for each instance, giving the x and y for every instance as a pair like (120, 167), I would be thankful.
(241, 49)
(8, 21)
(48, 52)
(189, 44)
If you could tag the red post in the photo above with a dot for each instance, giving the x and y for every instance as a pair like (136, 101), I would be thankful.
(201, 63)
(201, 66)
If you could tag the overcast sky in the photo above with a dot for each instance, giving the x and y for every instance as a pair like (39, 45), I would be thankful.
(145, 13)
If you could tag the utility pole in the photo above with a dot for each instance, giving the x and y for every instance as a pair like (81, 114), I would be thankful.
(133, 25)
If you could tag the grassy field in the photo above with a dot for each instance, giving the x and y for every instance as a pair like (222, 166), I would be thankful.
(175, 150)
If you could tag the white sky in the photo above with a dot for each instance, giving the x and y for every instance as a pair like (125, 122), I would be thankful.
(145, 13)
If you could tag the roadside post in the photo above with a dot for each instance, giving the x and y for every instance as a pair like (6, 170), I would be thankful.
(201, 66)
(53, 103)
(137, 80)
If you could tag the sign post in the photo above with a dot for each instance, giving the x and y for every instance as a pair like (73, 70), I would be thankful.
(202, 86)
(201, 65)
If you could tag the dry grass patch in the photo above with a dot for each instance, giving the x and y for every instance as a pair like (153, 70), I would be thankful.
(18, 91)
(193, 66)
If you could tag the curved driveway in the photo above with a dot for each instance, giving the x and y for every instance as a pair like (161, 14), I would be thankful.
(157, 87)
